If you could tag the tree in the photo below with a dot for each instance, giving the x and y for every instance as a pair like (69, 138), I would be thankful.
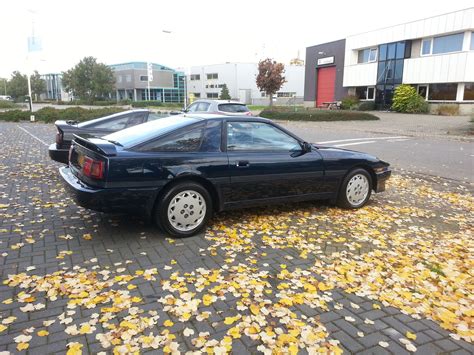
(18, 85)
(89, 80)
(270, 77)
(224, 93)
(38, 85)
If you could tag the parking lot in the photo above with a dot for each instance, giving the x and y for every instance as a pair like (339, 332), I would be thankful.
(394, 277)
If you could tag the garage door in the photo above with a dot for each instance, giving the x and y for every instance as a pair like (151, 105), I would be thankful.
(326, 82)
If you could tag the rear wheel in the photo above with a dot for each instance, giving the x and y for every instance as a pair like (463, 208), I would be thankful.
(355, 189)
(184, 209)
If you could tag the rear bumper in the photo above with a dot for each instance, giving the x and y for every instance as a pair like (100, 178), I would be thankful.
(382, 178)
(59, 155)
(139, 201)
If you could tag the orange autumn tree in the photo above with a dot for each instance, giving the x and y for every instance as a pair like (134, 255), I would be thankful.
(270, 77)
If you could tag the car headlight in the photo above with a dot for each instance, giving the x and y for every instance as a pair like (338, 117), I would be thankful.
(381, 169)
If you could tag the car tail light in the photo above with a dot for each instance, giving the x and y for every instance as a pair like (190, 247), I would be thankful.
(70, 152)
(59, 137)
(93, 168)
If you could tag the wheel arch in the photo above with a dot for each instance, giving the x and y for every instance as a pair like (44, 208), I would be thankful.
(364, 166)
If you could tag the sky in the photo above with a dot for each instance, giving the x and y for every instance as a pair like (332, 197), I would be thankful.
(180, 34)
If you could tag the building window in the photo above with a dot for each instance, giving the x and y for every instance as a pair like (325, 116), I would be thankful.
(368, 55)
(442, 44)
(220, 86)
(443, 92)
(472, 41)
(195, 77)
(286, 94)
(212, 76)
(263, 94)
(197, 95)
(143, 77)
(365, 93)
(212, 95)
(468, 92)
(423, 91)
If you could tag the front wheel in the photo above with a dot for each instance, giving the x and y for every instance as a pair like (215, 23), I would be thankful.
(184, 209)
(355, 189)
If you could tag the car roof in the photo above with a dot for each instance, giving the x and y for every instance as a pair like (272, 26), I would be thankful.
(219, 101)
(217, 116)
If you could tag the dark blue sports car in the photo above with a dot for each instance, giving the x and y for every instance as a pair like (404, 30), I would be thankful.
(179, 170)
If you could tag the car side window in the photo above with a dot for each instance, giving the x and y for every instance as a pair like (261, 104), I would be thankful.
(259, 136)
(187, 141)
(114, 124)
(135, 119)
(193, 107)
(153, 116)
(211, 141)
(203, 107)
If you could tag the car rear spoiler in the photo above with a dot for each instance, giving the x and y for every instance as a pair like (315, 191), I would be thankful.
(95, 144)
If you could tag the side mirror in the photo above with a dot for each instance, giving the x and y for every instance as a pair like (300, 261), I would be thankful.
(307, 147)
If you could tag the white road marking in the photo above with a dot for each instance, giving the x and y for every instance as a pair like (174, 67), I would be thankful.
(356, 143)
(398, 140)
(361, 139)
(38, 139)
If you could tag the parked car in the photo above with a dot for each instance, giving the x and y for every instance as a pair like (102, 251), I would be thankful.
(223, 107)
(98, 127)
(5, 98)
(181, 169)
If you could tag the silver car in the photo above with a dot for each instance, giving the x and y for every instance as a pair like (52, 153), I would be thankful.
(223, 107)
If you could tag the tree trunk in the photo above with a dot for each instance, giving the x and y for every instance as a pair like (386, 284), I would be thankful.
(271, 100)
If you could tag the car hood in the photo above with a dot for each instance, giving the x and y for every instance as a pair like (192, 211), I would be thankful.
(338, 153)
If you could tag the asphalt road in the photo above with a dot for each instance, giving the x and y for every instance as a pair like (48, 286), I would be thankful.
(432, 155)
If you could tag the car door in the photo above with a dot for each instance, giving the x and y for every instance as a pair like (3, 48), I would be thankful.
(265, 162)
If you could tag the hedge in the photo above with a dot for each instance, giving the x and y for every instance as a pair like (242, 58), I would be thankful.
(49, 114)
(318, 115)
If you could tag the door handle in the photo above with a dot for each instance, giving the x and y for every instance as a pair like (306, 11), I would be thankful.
(242, 164)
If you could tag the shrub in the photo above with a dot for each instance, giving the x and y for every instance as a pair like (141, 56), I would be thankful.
(407, 100)
(349, 102)
(366, 106)
(448, 110)
(317, 115)
(7, 104)
(49, 114)
(146, 103)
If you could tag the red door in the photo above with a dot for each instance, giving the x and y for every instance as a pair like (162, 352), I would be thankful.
(326, 82)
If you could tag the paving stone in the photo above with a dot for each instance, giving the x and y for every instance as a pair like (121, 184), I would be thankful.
(348, 342)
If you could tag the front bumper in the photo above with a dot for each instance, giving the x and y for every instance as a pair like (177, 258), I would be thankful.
(59, 155)
(109, 199)
(381, 179)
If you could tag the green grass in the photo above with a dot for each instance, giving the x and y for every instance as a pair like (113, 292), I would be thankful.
(7, 104)
(317, 115)
(49, 114)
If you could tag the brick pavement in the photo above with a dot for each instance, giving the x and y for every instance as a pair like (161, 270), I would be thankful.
(39, 221)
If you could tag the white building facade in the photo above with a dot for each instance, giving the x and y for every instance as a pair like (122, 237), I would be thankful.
(206, 82)
(435, 55)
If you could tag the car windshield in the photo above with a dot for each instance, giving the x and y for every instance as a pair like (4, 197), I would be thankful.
(132, 136)
(235, 108)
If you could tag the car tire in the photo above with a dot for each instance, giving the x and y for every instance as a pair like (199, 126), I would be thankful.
(355, 189)
(184, 209)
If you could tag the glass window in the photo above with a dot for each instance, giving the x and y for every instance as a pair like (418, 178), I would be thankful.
(469, 91)
(400, 54)
(258, 136)
(361, 92)
(211, 141)
(197, 95)
(370, 93)
(202, 107)
(422, 91)
(212, 76)
(193, 107)
(383, 52)
(154, 116)
(235, 108)
(391, 51)
(472, 40)
(426, 46)
(398, 73)
(114, 124)
(141, 133)
(143, 77)
(373, 55)
(443, 92)
(195, 77)
(447, 44)
(212, 95)
(188, 141)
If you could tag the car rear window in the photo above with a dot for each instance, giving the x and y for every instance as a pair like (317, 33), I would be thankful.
(132, 136)
(234, 108)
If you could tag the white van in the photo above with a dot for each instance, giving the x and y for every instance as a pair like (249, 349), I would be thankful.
(6, 98)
